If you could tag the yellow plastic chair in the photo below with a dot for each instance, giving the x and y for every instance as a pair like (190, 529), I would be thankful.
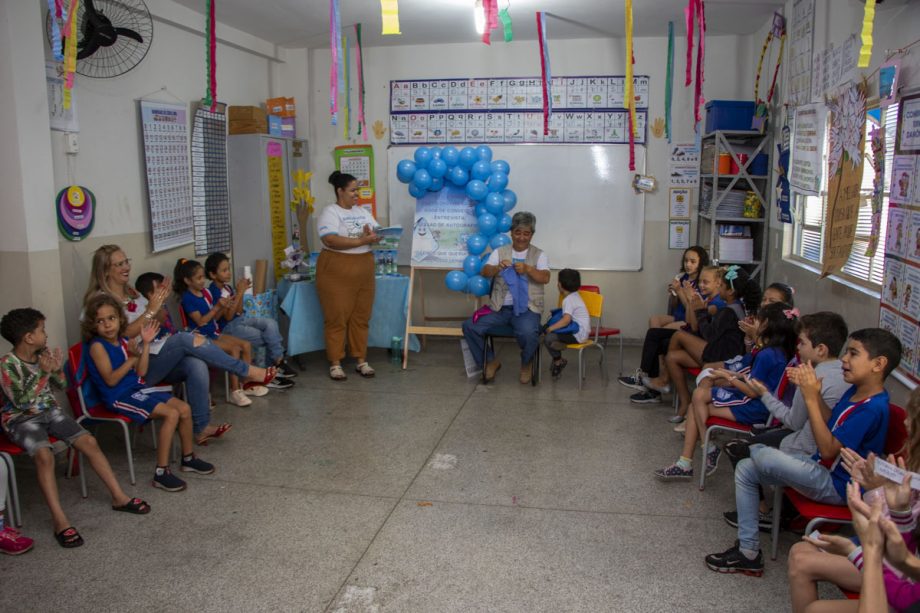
(594, 302)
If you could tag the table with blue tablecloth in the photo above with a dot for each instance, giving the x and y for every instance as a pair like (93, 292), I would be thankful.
(300, 303)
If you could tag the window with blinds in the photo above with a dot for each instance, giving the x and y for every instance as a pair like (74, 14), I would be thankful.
(808, 222)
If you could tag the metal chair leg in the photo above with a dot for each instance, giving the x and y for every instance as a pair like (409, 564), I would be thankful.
(124, 428)
(705, 447)
(777, 513)
(15, 512)
(81, 466)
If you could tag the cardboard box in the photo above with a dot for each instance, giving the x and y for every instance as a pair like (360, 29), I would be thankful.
(288, 128)
(281, 106)
(245, 113)
(274, 125)
(248, 126)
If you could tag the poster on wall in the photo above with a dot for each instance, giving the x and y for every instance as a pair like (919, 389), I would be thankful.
(274, 154)
(678, 234)
(210, 194)
(61, 119)
(807, 142)
(909, 125)
(846, 145)
(802, 35)
(358, 161)
(164, 128)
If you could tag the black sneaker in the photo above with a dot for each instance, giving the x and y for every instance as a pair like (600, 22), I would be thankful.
(279, 384)
(733, 561)
(556, 370)
(764, 520)
(196, 465)
(633, 381)
(285, 371)
(168, 481)
(646, 397)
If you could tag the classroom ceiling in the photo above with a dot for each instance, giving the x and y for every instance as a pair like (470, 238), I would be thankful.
(305, 23)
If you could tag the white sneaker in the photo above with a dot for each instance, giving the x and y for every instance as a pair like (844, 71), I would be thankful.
(681, 427)
(239, 398)
(255, 390)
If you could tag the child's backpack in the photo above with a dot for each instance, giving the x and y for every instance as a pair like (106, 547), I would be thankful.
(554, 316)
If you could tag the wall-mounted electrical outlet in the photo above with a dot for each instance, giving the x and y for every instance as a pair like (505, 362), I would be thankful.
(71, 143)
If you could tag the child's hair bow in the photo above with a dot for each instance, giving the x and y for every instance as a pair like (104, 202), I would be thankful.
(731, 274)
(791, 313)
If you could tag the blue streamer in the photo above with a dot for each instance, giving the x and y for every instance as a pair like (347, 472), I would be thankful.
(56, 44)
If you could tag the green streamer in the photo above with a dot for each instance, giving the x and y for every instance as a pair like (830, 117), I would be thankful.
(668, 81)
(505, 18)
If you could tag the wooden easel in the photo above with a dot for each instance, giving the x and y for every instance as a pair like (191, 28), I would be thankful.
(424, 330)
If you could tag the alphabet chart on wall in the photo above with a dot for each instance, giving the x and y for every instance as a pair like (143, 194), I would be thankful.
(586, 109)
(164, 128)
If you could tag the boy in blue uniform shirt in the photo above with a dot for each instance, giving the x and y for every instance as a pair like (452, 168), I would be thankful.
(858, 422)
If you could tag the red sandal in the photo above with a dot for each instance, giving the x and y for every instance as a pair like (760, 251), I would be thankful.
(219, 432)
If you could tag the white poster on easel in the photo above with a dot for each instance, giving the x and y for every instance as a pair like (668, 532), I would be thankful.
(443, 222)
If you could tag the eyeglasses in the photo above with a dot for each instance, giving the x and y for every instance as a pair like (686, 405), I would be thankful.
(122, 264)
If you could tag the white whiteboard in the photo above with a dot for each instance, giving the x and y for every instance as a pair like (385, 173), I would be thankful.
(588, 216)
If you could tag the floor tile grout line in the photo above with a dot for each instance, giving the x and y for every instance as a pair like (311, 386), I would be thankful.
(402, 496)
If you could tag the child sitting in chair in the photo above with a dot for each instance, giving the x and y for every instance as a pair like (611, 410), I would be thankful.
(573, 323)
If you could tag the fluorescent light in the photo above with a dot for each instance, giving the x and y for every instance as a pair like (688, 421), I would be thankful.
(479, 17)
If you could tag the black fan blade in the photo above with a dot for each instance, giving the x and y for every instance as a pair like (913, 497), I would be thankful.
(92, 15)
(130, 34)
(91, 46)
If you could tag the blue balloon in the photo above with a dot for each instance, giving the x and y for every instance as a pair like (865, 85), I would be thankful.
(458, 176)
(488, 224)
(405, 171)
(415, 191)
(450, 155)
(499, 240)
(478, 285)
(476, 244)
(500, 166)
(495, 204)
(510, 199)
(484, 152)
(456, 280)
(485, 256)
(497, 182)
(435, 153)
(422, 157)
(472, 265)
(480, 170)
(422, 178)
(437, 168)
(436, 184)
(476, 190)
(504, 223)
(468, 157)
(480, 210)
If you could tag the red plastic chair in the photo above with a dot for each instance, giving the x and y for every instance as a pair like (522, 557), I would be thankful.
(603, 331)
(713, 424)
(184, 320)
(818, 513)
(7, 450)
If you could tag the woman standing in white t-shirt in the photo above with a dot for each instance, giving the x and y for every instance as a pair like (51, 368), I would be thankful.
(345, 275)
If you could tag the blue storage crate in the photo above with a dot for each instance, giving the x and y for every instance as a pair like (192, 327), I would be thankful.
(275, 125)
(760, 166)
(729, 115)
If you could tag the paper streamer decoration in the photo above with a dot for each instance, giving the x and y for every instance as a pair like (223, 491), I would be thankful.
(335, 38)
(346, 123)
(695, 10)
(75, 209)
(210, 96)
(545, 72)
(70, 53)
(629, 95)
(762, 110)
(54, 11)
(505, 18)
(669, 82)
(359, 60)
(865, 52)
(490, 12)
(389, 15)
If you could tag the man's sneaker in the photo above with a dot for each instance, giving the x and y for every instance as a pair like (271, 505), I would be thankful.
(168, 481)
(764, 520)
(674, 473)
(285, 371)
(712, 460)
(633, 381)
(646, 397)
(733, 561)
(13, 543)
(196, 465)
(280, 384)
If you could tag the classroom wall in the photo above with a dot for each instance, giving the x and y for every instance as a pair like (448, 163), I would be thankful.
(895, 26)
(729, 74)
(110, 159)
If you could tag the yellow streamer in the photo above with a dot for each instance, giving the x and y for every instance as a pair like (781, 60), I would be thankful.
(70, 54)
(628, 93)
(865, 52)
(389, 13)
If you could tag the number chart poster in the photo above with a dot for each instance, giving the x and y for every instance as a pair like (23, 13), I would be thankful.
(164, 127)
(443, 222)
(900, 294)
(589, 109)
(358, 161)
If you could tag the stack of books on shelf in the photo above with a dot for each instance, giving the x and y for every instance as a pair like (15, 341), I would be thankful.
(732, 204)
(735, 244)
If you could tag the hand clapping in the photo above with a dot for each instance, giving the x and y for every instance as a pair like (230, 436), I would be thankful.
(805, 378)
(51, 360)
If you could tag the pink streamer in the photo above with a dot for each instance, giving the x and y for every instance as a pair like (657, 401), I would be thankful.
(698, 99)
(688, 18)
(490, 12)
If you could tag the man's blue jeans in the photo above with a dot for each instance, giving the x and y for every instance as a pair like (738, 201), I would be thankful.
(526, 328)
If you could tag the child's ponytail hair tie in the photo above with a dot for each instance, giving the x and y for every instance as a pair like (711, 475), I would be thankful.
(791, 313)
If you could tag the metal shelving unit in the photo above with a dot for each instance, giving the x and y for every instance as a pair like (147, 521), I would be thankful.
(715, 186)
